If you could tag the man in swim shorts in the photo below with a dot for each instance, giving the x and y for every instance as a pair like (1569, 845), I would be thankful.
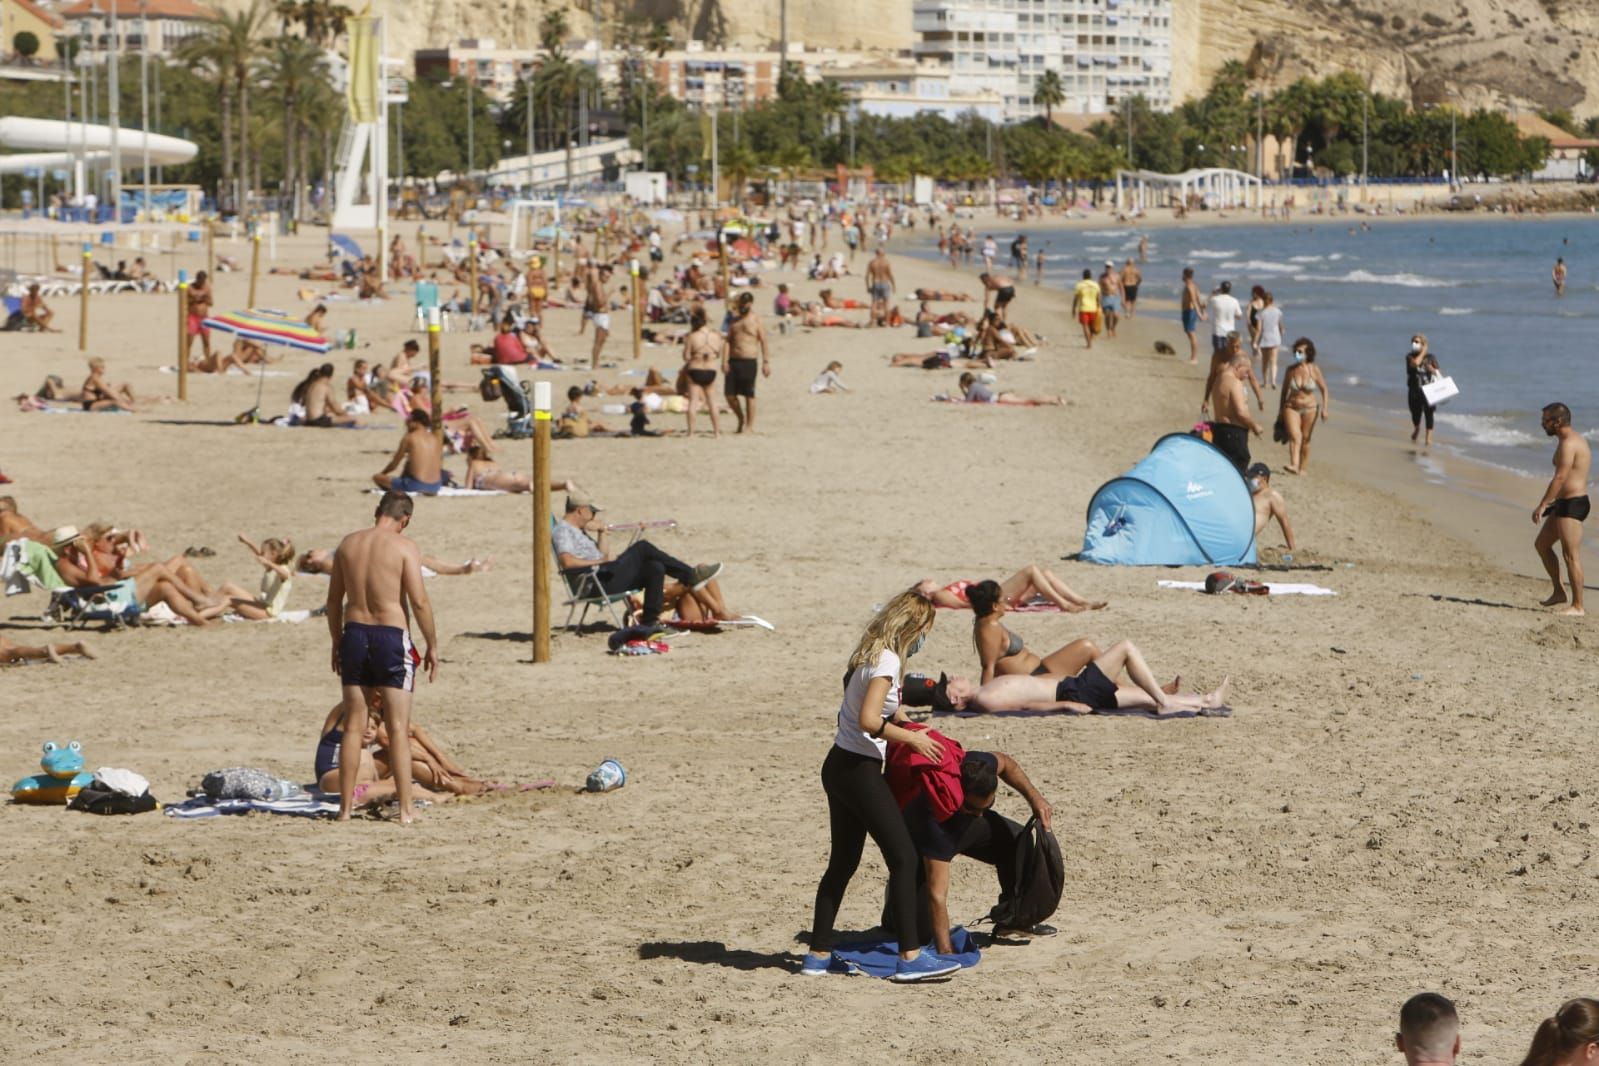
(1563, 507)
(745, 355)
(598, 304)
(1230, 421)
(1193, 312)
(880, 286)
(376, 585)
(1094, 688)
(423, 455)
(1004, 290)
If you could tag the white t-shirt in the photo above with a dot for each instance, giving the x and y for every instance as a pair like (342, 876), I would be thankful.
(850, 736)
(1271, 327)
(1224, 312)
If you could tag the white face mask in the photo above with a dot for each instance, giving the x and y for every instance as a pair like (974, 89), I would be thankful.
(1299, 357)
(1254, 484)
(1415, 346)
(916, 645)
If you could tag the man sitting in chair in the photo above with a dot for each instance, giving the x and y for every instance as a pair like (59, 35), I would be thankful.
(640, 565)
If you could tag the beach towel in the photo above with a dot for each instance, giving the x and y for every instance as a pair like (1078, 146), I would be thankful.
(1274, 588)
(309, 805)
(450, 490)
(27, 565)
(711, 625)
(877, 958)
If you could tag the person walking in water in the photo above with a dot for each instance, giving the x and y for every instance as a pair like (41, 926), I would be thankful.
(376, 586)
(1558, 275)
(1563, 507)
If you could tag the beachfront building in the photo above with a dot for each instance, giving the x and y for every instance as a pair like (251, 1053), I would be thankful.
(905, 91)
(1104, 51)
(1568, 153)
(167, 22)
(24, 16)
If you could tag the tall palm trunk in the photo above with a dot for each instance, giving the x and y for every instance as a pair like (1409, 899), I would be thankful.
(291, 183)
(226, 182)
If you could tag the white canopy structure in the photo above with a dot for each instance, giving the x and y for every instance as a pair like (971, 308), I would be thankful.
(1214, 187)
(63, 145)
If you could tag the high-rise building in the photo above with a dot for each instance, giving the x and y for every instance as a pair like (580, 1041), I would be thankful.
(1104, 51)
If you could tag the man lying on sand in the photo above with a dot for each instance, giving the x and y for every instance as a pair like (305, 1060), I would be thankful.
(17, 653)
(1094, 689)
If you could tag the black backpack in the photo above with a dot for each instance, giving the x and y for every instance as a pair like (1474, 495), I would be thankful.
(1040, 878)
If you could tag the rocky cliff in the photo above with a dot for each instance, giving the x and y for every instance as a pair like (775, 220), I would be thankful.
(1528, 53)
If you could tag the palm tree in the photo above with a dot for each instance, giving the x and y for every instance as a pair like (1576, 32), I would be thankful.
(229, 48)
(204, 53)
(291, 67)
(659, 40)
(1049, 94)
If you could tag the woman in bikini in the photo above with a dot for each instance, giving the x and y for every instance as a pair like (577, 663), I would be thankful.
(100, 395)
(1002, 652)
(1031, 584)
(703, 349)
(484, 474)
(1299, 409)
(437, 776)
(538, 286)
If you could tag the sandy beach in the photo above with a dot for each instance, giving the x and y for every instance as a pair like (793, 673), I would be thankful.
(1400, 803)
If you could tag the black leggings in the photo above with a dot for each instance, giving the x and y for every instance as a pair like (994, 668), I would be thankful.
(859, 804)
(1420, 406)
(644, 566)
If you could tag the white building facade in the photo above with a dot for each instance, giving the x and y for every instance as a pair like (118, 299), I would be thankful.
(905, 92)
(1104, 51)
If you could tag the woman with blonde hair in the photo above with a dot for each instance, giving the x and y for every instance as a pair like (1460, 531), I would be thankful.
(1567, 1038)
(859, 801)
(1421, 368)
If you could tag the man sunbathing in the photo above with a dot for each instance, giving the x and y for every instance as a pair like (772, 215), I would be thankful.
(942, 294)
(422, 455)
(1094, 689)
(13, 526)
(18, 653)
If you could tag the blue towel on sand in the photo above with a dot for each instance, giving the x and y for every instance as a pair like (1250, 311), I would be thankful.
(877, 958)
(310, 805)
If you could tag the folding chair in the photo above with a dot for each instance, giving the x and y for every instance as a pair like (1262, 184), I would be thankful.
(584, 590)
(114, 606)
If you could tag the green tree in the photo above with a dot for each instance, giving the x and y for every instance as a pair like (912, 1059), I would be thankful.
(1049, 94)
(290, 69)
(25, 44)
(228, 48)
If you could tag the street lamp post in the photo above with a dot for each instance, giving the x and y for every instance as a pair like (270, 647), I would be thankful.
(144, 108)
(114, 117)
(471, 142)
(530, 129)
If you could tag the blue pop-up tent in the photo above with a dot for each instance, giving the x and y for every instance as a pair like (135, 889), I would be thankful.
(1184, 504)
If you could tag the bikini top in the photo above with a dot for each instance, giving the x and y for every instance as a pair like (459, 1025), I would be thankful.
(1015, 647)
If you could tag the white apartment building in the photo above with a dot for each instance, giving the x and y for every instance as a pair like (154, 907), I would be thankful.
(895, 91)
(1105, 51)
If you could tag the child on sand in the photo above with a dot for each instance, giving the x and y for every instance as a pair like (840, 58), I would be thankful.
(829, 381)
(275, 557)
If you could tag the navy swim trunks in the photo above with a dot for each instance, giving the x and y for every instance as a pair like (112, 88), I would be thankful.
(377, 657)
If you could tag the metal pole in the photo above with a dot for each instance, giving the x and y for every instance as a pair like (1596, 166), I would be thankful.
(255, 260)
(721, 254)
(529, 147)
(83, 301)
(471, 141)
(1454, 153)
(183, 334)
(436, 376)
(160, 172)
(210, 252)
(114, 117)
(644, 142)
(638, 309)
(144, 109)
(471, 255)
(541, 521)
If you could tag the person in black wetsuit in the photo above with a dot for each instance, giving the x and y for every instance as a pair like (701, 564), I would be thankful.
(1421, 367)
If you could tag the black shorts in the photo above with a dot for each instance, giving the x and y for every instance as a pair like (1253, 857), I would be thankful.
(1233, 442)
(1569, 507)
(1131, 292)
(377, 657)
(741, 375)
(702, 377)
(1005, 296)
(1091, 687)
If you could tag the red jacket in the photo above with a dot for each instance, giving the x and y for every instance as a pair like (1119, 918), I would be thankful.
(911, 775)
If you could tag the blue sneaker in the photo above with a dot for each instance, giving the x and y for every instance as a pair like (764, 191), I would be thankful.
(816, 965)
(926, 965)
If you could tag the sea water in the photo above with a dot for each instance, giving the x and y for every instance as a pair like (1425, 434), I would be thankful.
(1479, 289)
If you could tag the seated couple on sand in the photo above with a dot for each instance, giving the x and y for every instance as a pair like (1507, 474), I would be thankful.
(437, 777)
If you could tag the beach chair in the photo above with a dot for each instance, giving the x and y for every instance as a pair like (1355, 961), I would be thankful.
(113, 606)
(585, 591)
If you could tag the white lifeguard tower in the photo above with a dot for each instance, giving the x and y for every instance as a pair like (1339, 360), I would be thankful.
(1214, 187)
(361, 183)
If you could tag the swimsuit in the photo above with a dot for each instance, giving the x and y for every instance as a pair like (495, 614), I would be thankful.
(1190, 320)
(377, 657)
(407, 483)
(1233, 441)
(327, 751)
(1091, 687)
(1568, 507)
(741, 375)
(702, 377)
(1004, 296)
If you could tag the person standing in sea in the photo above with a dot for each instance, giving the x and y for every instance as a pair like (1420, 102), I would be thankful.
(1563, 507)
(1558, 275)
(1131, 278)
(1193, 313)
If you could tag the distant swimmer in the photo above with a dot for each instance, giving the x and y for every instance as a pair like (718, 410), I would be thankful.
(1558, 276)
(1143, 248)
(1563, 507)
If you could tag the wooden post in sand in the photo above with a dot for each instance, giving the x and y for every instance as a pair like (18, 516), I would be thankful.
(541, 521)
(721, 254)
(83, 302)
(255, 263)
(638, 308)
(436, 377)
(183, 334)
(210, 249)
(471, 255)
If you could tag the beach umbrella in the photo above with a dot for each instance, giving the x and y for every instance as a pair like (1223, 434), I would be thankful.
(666, 214)
(270, 327)
(550, 233)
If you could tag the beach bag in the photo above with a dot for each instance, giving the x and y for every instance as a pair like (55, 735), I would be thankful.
(1439, 391)
(1279, 432)
(910, 775)
(489, 387)
(1039, 879)
(573, 426)
(1221, 581)
(94, 799)
(246, 783)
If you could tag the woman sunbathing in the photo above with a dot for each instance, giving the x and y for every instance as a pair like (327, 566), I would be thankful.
(1093, 689)
(77, 566)
(98, 394)
(483, 473)
(18, 653)
(939, 360)
(974, 391)
(1029, 585)
(999, 651)
(942, 294)
(813, 316)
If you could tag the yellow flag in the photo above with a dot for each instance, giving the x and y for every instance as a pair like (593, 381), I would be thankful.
(362, 93)
(705, 135)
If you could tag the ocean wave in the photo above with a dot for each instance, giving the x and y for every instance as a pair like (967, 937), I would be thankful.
(1258, 266)
(1487, 429)
(1390, 307)
(1457, 310)
(1351, 379)
(1097, 248)
(1366, 277)
(1306, 258)
(1208, 253)
(1106, 233)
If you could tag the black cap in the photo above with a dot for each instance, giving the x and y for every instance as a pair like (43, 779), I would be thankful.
(941, 702)
(1259, 470)
(916, 690)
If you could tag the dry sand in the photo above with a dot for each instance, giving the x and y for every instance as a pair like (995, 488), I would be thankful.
(1403, 800)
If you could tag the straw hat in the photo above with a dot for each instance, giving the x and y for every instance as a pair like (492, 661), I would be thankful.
(62, 536)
